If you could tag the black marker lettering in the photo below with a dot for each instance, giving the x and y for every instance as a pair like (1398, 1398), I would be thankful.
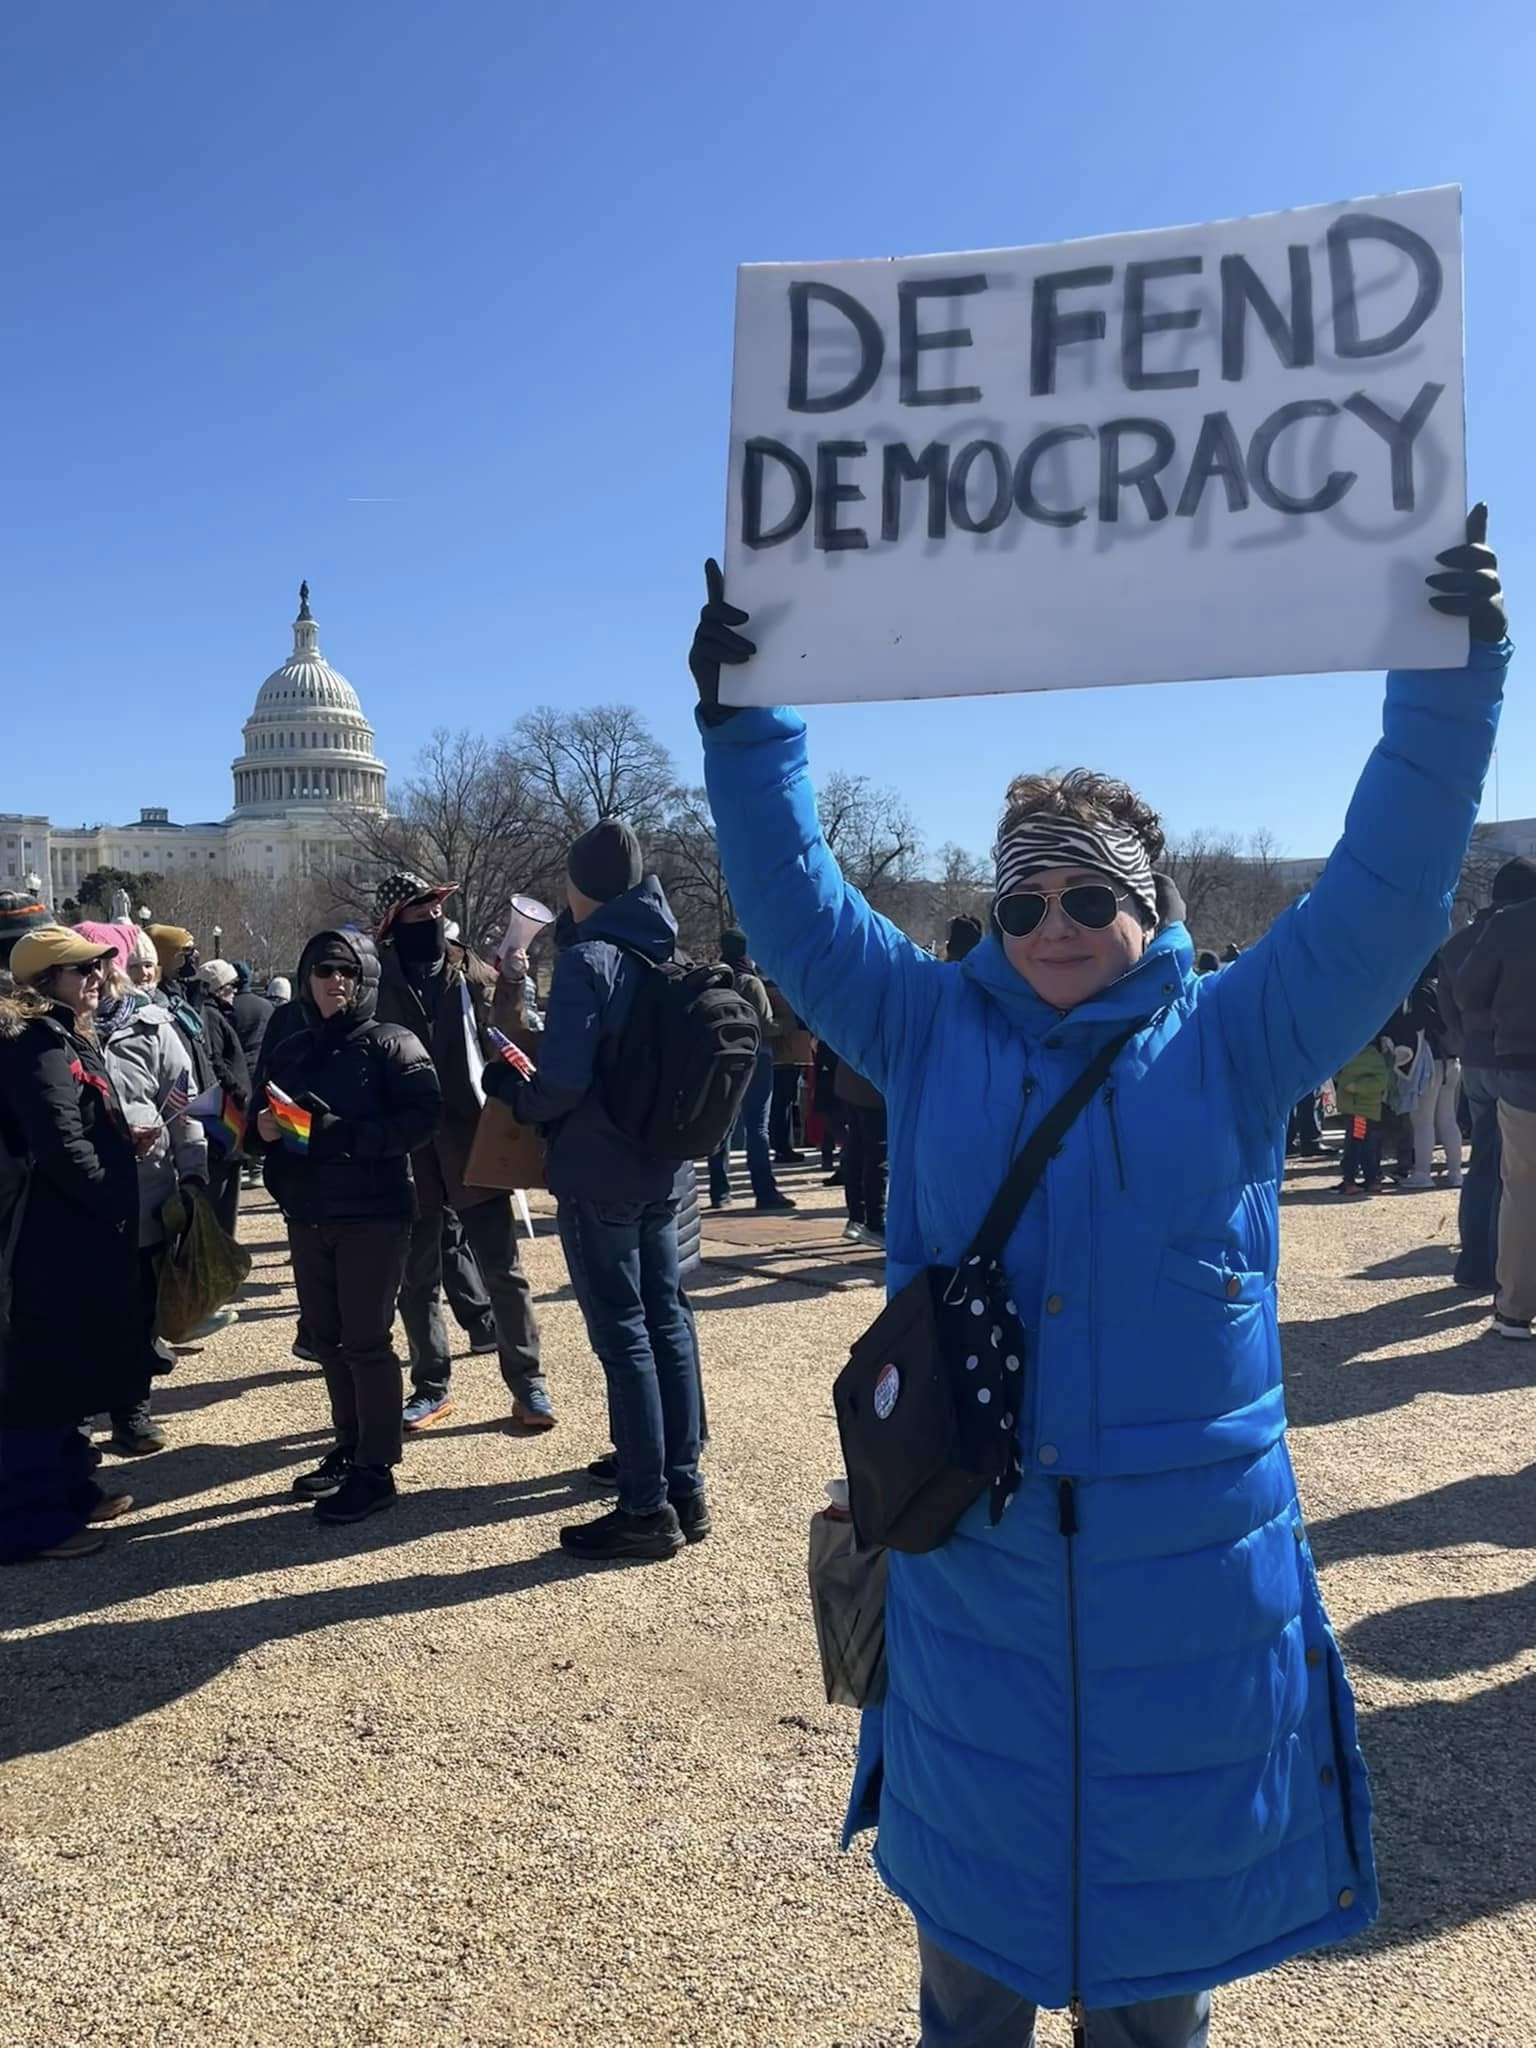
(1052, 330)
(1113, 479)
(1350, 228)
(900, 466)
(908, 297)
(831, 492)
(1261, 446)
(1024, 477)
(1399, 435)
(1294, 341)
(1137, 323)
(864, 325)
(1002, 487)
(1217, 453)
(757, 453)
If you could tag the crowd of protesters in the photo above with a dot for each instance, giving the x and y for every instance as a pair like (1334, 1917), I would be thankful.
(1148, 1475)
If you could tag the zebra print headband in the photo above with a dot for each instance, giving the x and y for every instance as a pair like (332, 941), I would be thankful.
(1043, 841)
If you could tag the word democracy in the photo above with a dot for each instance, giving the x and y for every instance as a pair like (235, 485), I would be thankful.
(975, 486)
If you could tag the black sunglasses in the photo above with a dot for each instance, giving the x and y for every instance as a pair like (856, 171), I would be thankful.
(84, 968)
(333, 970)
(1093, 905)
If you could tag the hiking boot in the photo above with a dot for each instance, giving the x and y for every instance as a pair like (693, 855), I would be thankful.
(634, 1538)
(604, 1471)
(137, 1436)
(327, 1478)
(110, 1506)
(365, 1490)
(84, 1543)
(776, 1205)
(424, 1411)
(1511, 1326)
(533, 1409)
(693, 1516)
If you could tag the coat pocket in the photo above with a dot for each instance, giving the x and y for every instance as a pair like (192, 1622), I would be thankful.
(1202, 1286)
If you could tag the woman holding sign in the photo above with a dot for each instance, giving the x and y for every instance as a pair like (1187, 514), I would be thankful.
(1116, 1764)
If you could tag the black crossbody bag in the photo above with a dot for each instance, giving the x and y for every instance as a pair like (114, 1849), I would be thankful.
(929, 1401)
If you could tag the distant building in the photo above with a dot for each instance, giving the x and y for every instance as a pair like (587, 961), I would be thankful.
(308, 763)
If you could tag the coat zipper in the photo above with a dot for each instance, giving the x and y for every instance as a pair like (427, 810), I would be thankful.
(1114, 1133)
(1066, 1501)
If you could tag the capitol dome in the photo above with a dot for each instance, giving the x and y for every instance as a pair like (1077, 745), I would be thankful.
(307, 741)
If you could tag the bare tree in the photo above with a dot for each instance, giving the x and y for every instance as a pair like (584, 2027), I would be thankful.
(873, 836)
(1485, 856)
(599, 761)
(1204, 869)
(687, 859)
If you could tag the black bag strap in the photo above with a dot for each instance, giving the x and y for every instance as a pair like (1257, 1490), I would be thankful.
(1041, 1147)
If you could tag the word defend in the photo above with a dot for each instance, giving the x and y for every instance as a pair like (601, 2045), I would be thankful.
(1213, 451)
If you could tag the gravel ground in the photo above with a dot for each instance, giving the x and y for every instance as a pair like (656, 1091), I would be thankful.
(425, 1782)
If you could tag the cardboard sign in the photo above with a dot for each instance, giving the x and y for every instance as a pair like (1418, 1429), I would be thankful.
(1222, 450)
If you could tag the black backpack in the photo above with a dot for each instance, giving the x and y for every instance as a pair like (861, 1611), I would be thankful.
(685, 1059)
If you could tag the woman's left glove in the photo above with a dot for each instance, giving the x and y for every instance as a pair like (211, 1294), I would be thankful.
(1470, 588)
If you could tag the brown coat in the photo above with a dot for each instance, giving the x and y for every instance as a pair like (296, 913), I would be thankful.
(441, 1031)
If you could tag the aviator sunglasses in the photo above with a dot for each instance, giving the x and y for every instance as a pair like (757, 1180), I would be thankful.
(1093, 905)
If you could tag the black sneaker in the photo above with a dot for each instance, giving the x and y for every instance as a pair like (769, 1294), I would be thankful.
(327, 1478)
(604, 1471)
(307, 1352)
(638, 1538)
(365, 1490)
(693, 1516)
(776, 1205)
(1513, 1326)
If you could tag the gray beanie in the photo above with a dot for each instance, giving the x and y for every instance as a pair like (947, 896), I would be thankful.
(606, 861)
(1515, 882)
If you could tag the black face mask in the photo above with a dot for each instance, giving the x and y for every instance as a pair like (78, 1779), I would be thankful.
(421, 944)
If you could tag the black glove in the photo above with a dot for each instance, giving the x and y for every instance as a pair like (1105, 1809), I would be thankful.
(1471, 588)
(715, 642)
(327, 1133)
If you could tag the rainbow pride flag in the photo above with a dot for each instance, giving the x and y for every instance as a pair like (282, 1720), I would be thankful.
(293, 1121)
(227, 1128)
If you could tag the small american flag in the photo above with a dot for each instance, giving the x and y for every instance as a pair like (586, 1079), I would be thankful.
(176, 1097)
(513, 1055)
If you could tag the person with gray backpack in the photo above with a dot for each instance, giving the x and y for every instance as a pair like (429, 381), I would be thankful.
(644, 1063)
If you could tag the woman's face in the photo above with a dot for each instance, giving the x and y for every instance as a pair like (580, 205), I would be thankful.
(80, 987)
(143, 973)
(331, 988)
(1065, 963)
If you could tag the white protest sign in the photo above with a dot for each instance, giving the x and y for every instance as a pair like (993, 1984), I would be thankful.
(1210, 451)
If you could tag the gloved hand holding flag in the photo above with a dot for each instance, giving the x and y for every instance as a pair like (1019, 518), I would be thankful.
(293, 1120)
(513, 1055)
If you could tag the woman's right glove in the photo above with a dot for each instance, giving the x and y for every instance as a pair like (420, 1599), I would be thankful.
(717, 641)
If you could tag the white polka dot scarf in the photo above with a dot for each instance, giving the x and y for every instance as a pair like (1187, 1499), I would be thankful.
(982, 1331)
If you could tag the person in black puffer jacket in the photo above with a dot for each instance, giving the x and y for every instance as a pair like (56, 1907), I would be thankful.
(372, 1097)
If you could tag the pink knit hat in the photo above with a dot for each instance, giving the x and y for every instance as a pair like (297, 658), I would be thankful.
(122, 938)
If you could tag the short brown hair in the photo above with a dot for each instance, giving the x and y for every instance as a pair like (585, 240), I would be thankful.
(1087, 798)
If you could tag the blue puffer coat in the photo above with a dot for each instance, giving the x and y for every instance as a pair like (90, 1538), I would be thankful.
(1119, 1763)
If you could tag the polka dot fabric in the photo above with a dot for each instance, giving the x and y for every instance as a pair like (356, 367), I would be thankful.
(980, 1324)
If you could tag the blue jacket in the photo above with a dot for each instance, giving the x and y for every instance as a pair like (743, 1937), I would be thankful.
(590, 1158)
(1120, 1763)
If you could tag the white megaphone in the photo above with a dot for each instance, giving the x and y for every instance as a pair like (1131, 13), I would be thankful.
(528, 919)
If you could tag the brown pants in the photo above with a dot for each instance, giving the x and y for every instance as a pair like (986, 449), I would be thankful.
(347, 1276)
(1517, 1215)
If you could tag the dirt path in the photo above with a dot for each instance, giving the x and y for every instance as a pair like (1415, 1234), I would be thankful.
(423, 1782)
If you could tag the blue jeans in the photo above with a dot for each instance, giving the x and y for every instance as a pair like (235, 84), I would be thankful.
(622, 1259)
(753, 1124)
(963, 2008)
(1480, 1187)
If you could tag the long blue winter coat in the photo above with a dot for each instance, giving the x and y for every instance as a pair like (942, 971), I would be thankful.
(1120, 1763)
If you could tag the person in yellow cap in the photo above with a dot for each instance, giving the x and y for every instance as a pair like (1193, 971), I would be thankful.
(73, 1271)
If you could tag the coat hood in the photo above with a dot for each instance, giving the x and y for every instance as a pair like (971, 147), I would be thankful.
(1164, 972)
(323, 946)
(641, 918)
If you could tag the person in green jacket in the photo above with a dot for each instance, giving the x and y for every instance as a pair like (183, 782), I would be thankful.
(1361, 1088)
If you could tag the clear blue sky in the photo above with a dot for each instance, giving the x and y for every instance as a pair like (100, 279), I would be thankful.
(432, 305)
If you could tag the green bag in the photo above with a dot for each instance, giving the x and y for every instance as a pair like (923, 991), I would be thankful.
(200, 1269)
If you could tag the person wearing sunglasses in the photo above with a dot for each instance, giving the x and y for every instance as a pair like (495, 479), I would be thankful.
(71, 1343)
(342, 1101)
(1116, 1761)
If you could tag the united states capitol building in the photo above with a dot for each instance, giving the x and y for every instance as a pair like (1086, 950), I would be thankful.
(306, 767)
